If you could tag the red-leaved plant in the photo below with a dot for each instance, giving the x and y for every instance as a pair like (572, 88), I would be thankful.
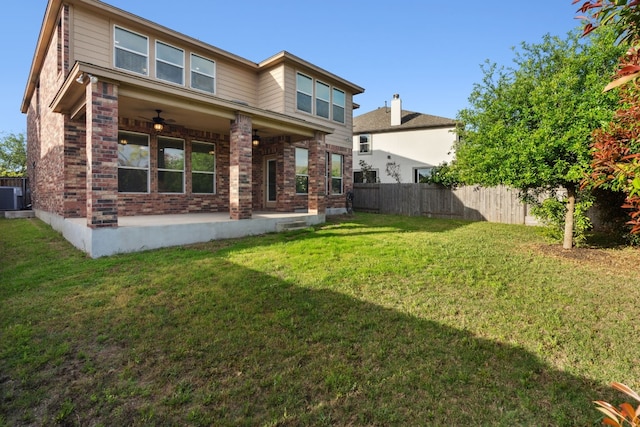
(624, 415)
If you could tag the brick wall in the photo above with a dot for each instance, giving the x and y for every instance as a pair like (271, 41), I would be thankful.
(154, 203)
(45, 130)
(240, 168)
(102, 154)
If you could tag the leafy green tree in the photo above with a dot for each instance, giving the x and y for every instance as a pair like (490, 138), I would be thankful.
(529, 126)
(616, 151)
(13, 155)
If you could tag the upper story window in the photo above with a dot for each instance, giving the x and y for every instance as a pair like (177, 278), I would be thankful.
(304, 89)
(203, 167)
(323, 98)
(133, 162)
(365, 144)
(316, 97)
(203, 73)
(338, 105)
(131, 51)
(170, 165)
(169, 63)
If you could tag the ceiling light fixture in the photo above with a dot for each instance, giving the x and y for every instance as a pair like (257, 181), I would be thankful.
(256, 138)
(158, 122)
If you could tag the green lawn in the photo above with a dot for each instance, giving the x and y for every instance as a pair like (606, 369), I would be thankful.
(369, 320)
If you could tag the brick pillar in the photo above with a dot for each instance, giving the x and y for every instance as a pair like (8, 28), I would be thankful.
(102, 154)
(240, 169)
(317, 174)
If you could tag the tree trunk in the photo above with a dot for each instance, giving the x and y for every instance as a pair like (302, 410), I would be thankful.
(568, 219)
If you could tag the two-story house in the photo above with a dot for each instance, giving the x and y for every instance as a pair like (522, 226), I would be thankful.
(399, 145)
(127, 118)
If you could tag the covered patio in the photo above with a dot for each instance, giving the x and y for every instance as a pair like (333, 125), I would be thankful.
(146, 232)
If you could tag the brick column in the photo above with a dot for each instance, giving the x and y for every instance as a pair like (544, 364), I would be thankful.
(240, 169)
(317, 174)
(102, 154)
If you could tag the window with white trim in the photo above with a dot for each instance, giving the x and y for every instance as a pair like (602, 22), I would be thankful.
(169, 63)
(336, 173)
(203, 167)
(170, 165)
(131, 51)
(203, 73)
(304, 93)
(365, 144)
(421, 174)
(338, 105)
(316, 97)
(323, 99)
(133, 162)
(302, 171)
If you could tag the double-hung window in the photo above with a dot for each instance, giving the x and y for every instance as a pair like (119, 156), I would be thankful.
(203, 167)
(133, 162)
(131, 51)
(338, 105)
(169, 63)
(302, 171)
(323, 95)
(365, 144)
(203, 73)
(170, 165)
(304, 93)
(336, 174)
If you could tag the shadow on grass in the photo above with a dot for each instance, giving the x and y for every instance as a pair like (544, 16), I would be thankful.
(227, 345)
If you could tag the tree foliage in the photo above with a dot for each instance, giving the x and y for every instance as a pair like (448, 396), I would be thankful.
(529, 126)
(616, 146)
(13, 155)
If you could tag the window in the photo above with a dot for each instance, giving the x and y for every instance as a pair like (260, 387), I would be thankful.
(336, 174)
(365, 144)
(319, 96)
(203, 73)
(421, 174)
(304, 88)
(338, 105)
(203, 167)
(131, 51)
(302, 171)
(368, 177)
(133, 162)
(323, 95)
(169, 63)
(170, 165)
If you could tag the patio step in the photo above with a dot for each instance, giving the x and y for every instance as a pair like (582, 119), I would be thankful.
(291, 225)
(19, 214)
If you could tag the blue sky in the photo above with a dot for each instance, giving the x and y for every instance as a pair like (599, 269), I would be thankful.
(428, 51)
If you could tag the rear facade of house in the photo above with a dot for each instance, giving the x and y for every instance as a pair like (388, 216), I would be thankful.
(126, 117)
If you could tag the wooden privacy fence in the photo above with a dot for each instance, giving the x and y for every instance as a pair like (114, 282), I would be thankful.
(495, 204)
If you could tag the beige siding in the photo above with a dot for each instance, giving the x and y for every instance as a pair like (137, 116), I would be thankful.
(235, 83)
(271, 89)
(91, 39)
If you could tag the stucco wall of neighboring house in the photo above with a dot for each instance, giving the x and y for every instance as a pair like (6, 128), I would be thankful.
(410, 149)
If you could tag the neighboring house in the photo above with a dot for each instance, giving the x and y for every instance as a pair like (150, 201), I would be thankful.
(126, 117)
(400, 145)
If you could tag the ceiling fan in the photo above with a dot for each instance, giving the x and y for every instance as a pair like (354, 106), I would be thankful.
(159, 122)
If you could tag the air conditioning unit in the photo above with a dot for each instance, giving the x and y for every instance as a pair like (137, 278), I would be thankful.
(10, 198)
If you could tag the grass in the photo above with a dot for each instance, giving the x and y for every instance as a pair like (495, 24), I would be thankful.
(368, 320)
